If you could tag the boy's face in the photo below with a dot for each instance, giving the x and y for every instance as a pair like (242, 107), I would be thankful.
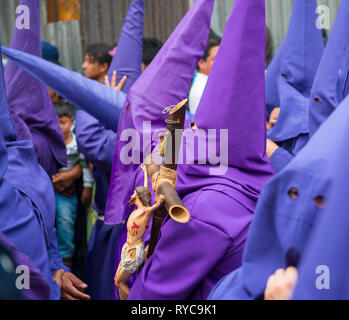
(66, 124)
(93, 69)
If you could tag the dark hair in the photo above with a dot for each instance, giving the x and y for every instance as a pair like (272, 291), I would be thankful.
(151, 47)
(100, 52)
(63, 110)
(269, 47)
(212, 42)
(144, 195)
(214, 35)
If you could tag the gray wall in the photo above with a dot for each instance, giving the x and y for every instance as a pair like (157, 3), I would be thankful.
(65, 35)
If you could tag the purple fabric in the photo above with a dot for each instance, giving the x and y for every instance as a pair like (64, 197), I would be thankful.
(27, 218)
(39, 289)
(100, 101)
(291, 147)
(127, 60)
(330, 87)
(30, 100)
(97, 144)
(100, 272)
(211, 244)
(272, 96)
(301, 53)
(189, 259)
(237, 87)
(327, 251)
(165, 82)
(287, 223)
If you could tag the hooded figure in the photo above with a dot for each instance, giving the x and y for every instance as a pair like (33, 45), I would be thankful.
(30, 100)
(298, 60)
(98, 100)
(166, 81)
(97, 143)
(126, 61)
(289, 208)
(272, 96)
(28, 217)
(324, 267)
(330, 84)
(220, 198)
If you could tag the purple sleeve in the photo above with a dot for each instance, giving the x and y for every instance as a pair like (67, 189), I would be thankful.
(185, 255)
(280, 159)
(94, 141)
(56, 262)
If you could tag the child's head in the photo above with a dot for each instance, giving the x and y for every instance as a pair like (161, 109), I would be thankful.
(97, 61)
(66, 119)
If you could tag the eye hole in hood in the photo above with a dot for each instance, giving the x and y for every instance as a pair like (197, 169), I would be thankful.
(320, 201)
(293, 193)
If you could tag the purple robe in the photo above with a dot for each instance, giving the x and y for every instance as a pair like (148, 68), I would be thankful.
(289, 80)
(191, 258)
(38, 287)
(322, 273)
(287, 223)
(30, 100)
(27, 195)
(330, 83)
(166, 81)
(127, 60)
(98, 144)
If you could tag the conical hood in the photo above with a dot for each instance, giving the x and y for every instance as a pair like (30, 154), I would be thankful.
(272, 97)
(27, 97)
(301, 54)
(331, 79)
(127, 60)
(165, 82)
(7, 129)
(234, 97)
(98, 100)
(289, 208)
(325, 264)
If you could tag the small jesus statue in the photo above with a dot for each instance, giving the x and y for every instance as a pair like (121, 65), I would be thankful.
(132, 254)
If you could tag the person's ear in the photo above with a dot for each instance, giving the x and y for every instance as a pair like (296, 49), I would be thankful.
(201, 64)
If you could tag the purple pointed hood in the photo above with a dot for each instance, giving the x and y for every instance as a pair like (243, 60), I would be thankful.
(330, 84)
(234, 97)
(301, 53)
(165, 82)
(95, 98)
(287, 212)
(327, 251)
(30, 100)
(272, 97)
(127, 60)
(7, 129)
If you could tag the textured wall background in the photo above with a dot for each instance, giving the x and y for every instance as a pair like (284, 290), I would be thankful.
(65, 35)
(101, 20)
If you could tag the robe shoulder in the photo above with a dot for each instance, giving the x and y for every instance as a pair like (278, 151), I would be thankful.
(216, 207)
(205, 249)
